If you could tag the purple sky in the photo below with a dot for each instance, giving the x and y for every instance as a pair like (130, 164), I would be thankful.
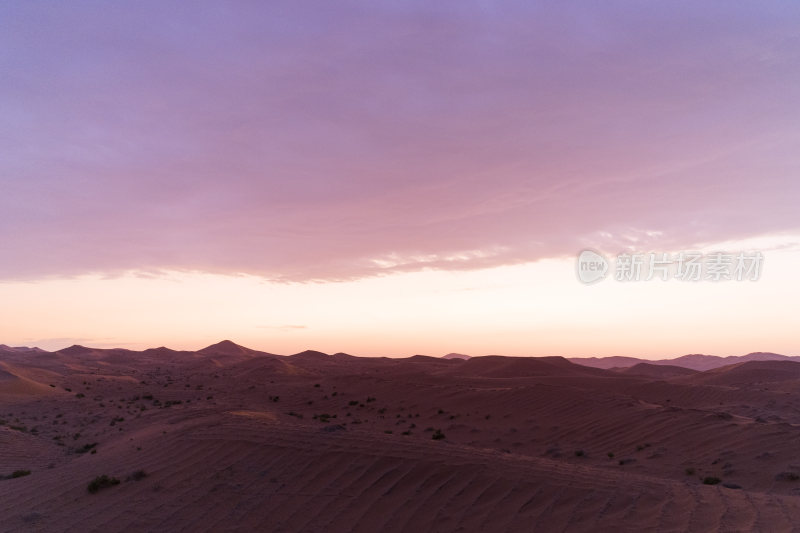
(306, 140)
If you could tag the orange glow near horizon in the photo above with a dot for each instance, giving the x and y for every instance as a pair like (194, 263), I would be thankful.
(534, 309)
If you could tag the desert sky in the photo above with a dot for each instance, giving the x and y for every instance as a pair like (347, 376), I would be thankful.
(398, 177)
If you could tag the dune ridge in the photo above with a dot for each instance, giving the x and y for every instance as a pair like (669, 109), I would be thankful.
(229, 438)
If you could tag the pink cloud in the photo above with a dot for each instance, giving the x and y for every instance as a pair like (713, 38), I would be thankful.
(321, 142)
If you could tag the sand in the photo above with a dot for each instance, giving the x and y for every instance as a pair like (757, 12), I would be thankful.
(232, 439)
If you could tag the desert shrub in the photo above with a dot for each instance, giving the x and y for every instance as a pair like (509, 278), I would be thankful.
(711, 480)
(690, 471)
(87, 447)
(610, 455)
(137, 476)
(788, 476)
(101, 482)
(438, 435)
(579, 453)
(352, 402)
(20, 473)
(80, 395)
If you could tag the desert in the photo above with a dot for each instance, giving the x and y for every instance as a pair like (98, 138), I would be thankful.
(470, 266)
(232, 439)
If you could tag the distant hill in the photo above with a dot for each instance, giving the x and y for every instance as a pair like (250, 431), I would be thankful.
(227, 347)
(77, 349)
(20, 349)
(698, 362)
(748, 373)
(709, 362)
(456, 356)
(657, 371)
(498, 366)
(607, 363)
(311, 354)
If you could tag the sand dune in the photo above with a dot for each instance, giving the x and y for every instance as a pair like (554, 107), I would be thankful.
(456, 356)
(230, 348)
(13, 384)
(513, 367)
(657, 371)
(231, 440)
(750, 373)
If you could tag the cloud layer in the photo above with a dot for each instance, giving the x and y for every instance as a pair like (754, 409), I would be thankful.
(312, 140)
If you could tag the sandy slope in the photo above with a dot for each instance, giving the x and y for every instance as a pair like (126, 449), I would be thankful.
(232, 440)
